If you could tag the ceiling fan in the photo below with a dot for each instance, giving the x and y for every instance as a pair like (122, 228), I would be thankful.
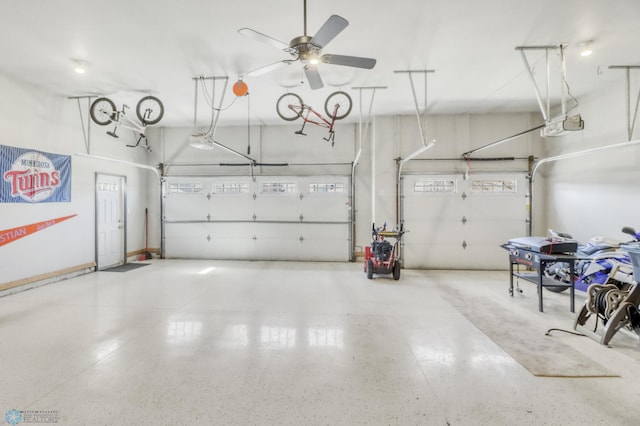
(308, 50)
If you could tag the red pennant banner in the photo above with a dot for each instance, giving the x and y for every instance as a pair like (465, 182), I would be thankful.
(10, 235)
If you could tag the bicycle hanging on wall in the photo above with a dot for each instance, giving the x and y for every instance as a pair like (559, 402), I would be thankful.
(149, 111)
(337, 106)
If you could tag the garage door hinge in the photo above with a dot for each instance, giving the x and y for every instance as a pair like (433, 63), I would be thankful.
(301, 218)
(464, 195)
(301, 195)
(254, 196)
(209, 217)
(208, 238)
(301, 238)
(464, 244)
(254, 217)
(208, 196)
(254, 238)
(464, 220)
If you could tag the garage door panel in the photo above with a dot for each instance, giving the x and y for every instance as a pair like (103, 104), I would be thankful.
(278, 207)
(187, 207)
(485, 257)
(483, 230)
(187, 240)
(432, 233)
(436, 208)
(308, 242)
(326, 198)
(325, 207)
(467, 218)
(232, 198)
(231, 207)
(424, 255)
(263, 220)
(209, 240)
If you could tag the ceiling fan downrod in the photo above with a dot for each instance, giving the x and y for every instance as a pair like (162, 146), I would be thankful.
(305, 18)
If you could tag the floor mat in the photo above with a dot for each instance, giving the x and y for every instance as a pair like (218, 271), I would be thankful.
(125, 267)
(541, 355)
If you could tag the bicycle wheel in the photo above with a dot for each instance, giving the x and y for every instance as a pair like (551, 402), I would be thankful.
(286, 104)
(149, 110)
(102, 111)
(342, 100)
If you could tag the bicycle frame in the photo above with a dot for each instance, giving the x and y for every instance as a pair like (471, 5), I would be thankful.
(118, 118)
(303, 112)
(337, 106)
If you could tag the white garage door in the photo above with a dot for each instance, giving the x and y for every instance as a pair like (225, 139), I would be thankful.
(272, 218)
(457, 223)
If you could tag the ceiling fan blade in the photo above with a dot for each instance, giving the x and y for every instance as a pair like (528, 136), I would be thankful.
(248, 32)
(313, 76)
(329, 30)
(267, 68)
(349, 61)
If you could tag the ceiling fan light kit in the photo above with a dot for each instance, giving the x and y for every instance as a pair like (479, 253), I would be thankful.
(308, 50)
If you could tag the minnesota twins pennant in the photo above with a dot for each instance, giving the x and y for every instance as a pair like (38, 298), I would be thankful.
(10, 235)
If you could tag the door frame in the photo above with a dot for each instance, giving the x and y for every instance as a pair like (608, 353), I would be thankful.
(123, 210)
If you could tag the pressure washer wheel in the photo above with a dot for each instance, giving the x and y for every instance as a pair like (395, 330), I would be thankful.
(370, 269)
(396, 271)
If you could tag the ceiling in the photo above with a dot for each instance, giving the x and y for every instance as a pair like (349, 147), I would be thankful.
(159, 46)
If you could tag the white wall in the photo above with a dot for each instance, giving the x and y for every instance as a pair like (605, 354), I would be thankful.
(596, 194)
(34, 119)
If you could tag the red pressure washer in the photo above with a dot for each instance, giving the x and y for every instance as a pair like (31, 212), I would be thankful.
(382, 257)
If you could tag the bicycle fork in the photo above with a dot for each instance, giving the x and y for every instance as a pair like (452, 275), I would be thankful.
(332, 134)
(116, 119)
(146, 144)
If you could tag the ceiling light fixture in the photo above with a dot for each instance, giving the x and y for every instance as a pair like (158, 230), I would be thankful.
(586, 48)
(80, 66)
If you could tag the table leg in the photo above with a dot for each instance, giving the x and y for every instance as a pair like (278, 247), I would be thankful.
(572, 289)
(540, 287)
(511, 278)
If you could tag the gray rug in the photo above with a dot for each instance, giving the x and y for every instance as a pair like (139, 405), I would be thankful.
(125, 267)
(524, 341)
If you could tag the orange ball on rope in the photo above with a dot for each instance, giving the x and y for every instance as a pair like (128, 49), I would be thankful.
(240, 88)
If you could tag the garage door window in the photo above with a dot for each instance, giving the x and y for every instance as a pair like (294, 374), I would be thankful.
(435, 186)
(231, 188)
(326, 187)
(185, 188)
(507, 186)
(278, 188)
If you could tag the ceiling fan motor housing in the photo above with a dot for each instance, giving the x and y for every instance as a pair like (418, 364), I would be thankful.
(304, 49)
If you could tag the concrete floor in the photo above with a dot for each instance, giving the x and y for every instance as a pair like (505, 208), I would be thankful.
(279, 343)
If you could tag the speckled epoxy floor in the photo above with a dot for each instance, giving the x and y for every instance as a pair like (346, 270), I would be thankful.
(279, 343)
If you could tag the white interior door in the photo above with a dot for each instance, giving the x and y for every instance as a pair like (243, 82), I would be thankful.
(110, 225)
